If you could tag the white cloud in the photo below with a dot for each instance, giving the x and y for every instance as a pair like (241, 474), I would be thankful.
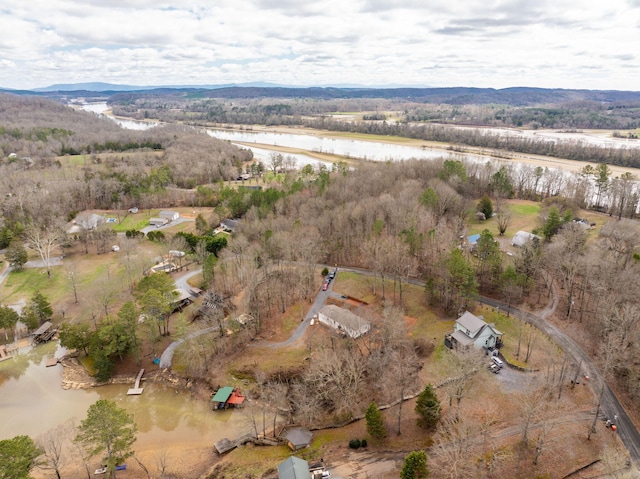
(497, 43)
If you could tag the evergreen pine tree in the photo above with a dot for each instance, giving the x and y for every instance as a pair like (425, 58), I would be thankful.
(415, 466)
(428, 408)
(375, 422)
(485, 206)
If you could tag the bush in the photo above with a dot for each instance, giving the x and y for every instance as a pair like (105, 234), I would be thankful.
(133, 234)
(155, 236)
(325, 271)
(355, 443)
(363, 443)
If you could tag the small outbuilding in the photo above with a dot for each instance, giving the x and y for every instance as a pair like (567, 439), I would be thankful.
(293, 468)
(226, 397)
(298, 438)
(44, 333)
(344, 321)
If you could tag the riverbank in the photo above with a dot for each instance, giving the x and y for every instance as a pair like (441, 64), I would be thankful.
(75, 376)
(446, 148)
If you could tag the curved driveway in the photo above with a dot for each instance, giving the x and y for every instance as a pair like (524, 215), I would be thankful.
(610, 404)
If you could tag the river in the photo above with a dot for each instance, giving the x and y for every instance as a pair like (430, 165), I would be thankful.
(32, 402)
(365, 150)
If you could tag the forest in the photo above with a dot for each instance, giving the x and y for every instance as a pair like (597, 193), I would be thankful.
(403, 222)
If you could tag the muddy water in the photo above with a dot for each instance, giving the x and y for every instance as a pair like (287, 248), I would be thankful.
(32, 401)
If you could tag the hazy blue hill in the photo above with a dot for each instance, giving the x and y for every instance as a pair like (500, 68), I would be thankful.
(112, 87)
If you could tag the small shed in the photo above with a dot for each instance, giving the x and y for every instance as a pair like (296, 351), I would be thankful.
(227, 396)
(344, 321)
(181, 299)
(169, 215)
(44, 333)
(298, 438)
(293, 468)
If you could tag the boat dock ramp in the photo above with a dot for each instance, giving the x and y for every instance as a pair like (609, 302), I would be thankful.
(136, 390)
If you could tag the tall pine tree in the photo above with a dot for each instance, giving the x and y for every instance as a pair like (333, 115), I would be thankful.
(428, 407)
(375, 422)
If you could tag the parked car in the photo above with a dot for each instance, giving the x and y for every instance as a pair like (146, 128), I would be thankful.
(497, 361)
(493, 368)
(325, 286)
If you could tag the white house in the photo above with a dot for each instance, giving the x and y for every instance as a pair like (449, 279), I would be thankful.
(169, 215)
(523, 237)
(470, 329)
(343, 320)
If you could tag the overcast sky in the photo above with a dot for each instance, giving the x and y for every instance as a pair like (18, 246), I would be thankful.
(593, 44)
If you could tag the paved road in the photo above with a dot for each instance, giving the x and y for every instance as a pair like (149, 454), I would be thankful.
(627, 431)
(610, 405)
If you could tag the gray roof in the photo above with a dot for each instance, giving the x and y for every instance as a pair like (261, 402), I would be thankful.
(42, 329)
(299, 437)
(462, 338)
(293, 468)
(230, 224)
(344, 317)
(471, 322)
(522, 237)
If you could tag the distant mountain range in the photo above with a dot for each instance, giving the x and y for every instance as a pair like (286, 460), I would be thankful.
(518, 96)
(111, 87)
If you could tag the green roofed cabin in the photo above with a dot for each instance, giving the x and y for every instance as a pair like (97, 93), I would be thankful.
(293, 468)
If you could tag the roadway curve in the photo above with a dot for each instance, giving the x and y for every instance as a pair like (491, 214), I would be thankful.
(610, 404)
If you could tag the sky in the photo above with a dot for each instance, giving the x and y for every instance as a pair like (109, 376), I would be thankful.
(587, 44)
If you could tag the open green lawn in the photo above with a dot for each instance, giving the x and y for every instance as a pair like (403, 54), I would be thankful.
(524, 216)
(23, 284)
(132, 222)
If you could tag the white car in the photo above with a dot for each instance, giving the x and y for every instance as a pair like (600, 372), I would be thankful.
(326, 474)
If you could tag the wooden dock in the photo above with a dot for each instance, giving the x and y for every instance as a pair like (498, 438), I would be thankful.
(226, 444)
(4, 354)
(52, 362)
(136, 390)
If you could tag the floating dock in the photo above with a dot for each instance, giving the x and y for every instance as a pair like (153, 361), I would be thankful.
(136, 390)
(52, 362)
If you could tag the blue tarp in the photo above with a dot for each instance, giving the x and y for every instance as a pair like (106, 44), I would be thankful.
(473, 239)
